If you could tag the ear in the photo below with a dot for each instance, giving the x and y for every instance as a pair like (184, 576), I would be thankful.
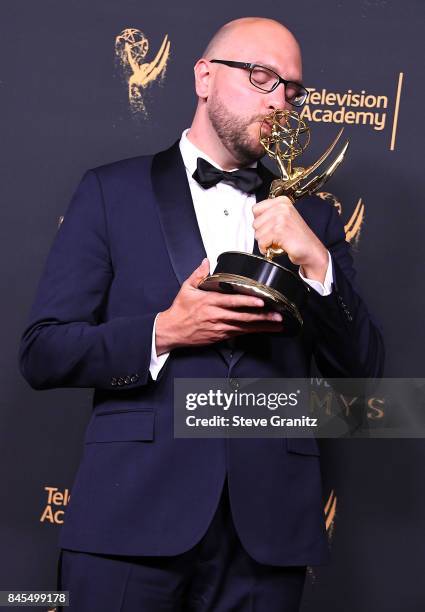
(202, 78)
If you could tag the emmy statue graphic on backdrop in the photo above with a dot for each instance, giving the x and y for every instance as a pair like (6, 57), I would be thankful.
(284, 136)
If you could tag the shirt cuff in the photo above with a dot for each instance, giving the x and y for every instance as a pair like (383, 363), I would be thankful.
(156, 363)
(326, 287)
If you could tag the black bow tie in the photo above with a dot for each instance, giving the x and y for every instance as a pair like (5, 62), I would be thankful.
(245, 179)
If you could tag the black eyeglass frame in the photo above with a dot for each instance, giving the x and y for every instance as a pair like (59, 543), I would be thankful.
(250, 67)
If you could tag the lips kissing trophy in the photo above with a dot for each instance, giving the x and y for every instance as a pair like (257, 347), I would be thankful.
(284, 136)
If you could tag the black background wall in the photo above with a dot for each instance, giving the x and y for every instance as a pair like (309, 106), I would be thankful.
(65, 108)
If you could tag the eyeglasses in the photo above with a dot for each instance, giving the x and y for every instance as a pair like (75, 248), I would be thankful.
(267, 80)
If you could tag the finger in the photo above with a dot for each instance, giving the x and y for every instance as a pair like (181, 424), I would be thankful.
(236, 316)
(269, 237)
(271, 229)
(234, 300)
(198, 274)
(254, 328)
(260, 207)
(271, 215)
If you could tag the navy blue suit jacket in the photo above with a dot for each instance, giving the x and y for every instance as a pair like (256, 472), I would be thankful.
(127, 242)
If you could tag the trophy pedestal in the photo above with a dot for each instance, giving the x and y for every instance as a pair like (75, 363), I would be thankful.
(280, 288)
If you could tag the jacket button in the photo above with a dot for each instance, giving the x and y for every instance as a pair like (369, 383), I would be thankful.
(234, 383)
(113, 382)
(134, 378)
(120, 381)
(127, 380)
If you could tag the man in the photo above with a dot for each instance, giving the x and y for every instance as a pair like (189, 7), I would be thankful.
(157, 523)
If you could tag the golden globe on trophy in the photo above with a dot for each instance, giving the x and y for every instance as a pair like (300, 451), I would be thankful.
(284, 136)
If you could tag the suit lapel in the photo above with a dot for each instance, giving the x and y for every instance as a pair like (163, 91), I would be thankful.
(178, 219)
(176, 212)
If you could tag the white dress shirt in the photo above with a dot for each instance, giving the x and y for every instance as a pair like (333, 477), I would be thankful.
(225, 218)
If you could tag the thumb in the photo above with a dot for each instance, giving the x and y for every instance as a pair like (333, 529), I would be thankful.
(198, 274)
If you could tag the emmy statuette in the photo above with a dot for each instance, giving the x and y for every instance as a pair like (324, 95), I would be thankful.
(284, 136)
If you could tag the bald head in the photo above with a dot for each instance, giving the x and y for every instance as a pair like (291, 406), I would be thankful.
(231, 107)
(237, 36)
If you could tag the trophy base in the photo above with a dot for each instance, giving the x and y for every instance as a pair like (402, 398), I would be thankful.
(249, 274)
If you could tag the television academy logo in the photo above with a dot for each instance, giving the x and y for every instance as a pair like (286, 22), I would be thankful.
(131, 48)
(354, 108)
(56, 502)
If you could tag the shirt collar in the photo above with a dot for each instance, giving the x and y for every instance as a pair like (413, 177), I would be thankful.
(190, 154)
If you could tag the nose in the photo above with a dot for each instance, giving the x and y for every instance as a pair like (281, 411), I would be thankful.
(276, 98)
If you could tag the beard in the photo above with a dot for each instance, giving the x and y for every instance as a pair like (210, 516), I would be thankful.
(233, 131)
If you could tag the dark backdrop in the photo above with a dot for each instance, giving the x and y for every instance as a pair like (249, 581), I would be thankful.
(65, 108)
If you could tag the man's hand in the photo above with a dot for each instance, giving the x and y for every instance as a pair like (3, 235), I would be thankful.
(199, 317)
(277, 222)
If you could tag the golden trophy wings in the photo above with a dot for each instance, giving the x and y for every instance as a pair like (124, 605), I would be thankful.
(145, 73)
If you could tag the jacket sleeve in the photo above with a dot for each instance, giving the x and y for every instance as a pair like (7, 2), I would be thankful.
(347, 342)
(65, 343)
